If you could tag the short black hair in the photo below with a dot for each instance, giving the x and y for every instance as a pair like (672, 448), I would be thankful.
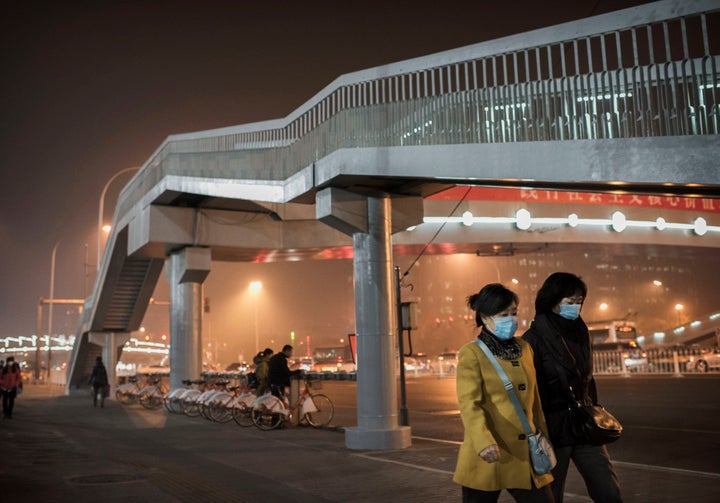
(556, 287)
(287, 347)
(490, 300)
(267, 352)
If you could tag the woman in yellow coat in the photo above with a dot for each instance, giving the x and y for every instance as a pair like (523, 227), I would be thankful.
(494, 454)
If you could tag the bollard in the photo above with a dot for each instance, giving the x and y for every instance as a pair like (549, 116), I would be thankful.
(676, 365)
(293, 397)
(624, 370)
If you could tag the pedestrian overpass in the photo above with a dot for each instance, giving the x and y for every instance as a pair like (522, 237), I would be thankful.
(626, 102)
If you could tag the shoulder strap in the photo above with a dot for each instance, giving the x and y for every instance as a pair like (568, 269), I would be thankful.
(508, 387)
(564, 382)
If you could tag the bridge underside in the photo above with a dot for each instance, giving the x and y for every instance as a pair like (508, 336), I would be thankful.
(283, 224)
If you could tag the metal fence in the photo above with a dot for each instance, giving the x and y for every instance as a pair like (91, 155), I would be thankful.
(652, 361)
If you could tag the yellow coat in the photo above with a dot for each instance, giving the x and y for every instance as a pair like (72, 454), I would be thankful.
(489, 418)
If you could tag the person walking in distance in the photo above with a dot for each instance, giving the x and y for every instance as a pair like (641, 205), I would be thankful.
(495, 453)
(99, 381)
(10, 380)
(563, 360)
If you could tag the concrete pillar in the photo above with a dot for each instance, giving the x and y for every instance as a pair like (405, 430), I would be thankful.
(376, 337)
(185, 272)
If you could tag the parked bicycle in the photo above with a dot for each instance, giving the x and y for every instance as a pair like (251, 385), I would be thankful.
(269, 412)
(151, 396)
(128, 393)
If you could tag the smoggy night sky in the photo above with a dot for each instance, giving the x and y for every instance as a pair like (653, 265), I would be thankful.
(91, 87)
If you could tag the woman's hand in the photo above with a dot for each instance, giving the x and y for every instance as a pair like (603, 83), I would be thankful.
(491, 453)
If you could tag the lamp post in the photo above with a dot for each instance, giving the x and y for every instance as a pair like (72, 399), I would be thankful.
(255, 287)
(101, 208)
(50, 311)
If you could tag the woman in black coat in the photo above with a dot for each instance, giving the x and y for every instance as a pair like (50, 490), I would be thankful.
(561, 344)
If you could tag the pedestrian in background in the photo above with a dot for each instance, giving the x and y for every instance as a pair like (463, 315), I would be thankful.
(261, 371)
(279, 372)
(495, 454)
(561, 344)
(99, 382)
(10, 380)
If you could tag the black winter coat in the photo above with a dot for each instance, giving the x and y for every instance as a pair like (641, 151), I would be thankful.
(561, 345)
(99, 376)
(278, 371)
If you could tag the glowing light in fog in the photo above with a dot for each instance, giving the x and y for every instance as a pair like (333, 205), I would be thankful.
(619, 222)
(701, 226)
(523, 219)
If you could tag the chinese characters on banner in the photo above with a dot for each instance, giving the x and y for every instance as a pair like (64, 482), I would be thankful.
(593, 198)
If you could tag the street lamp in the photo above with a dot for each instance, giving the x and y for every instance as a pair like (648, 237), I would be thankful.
(101, 208)
(50, 312)
(255, 287)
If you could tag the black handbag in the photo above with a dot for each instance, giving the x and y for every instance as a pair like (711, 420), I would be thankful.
(590, 424)
(593, 425)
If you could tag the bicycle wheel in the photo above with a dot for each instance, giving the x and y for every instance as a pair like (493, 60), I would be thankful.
(123, 395)
(189, 403)
(265, 419)
(324, 413)
(151, 400)
(174, 404)
(242, 414)
(169, 400)
(218, 408)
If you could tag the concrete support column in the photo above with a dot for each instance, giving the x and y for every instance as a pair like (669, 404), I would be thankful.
(185, 272)
(375, 321)
(111, 343)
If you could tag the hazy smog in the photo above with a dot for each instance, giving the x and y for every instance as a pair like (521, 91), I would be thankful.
(315, 299)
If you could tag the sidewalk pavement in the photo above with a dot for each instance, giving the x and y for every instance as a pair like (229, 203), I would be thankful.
(60, 449)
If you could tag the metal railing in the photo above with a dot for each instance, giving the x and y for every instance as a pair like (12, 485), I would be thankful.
(647, 71)
(652, 361)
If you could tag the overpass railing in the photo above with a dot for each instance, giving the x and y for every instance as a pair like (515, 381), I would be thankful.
(647, 71)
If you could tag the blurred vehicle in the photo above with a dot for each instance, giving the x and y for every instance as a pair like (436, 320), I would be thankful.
(447, 362)
(705, 361)
(333, 359)
(611, 331)
(609, 357)
(27, 371)
(418, 363)
(237, 367)
(305, 364)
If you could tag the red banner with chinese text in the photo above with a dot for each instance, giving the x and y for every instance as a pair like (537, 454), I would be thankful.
(560, 196)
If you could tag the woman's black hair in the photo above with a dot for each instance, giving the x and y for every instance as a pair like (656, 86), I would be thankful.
(490, 300)
(557, 286)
